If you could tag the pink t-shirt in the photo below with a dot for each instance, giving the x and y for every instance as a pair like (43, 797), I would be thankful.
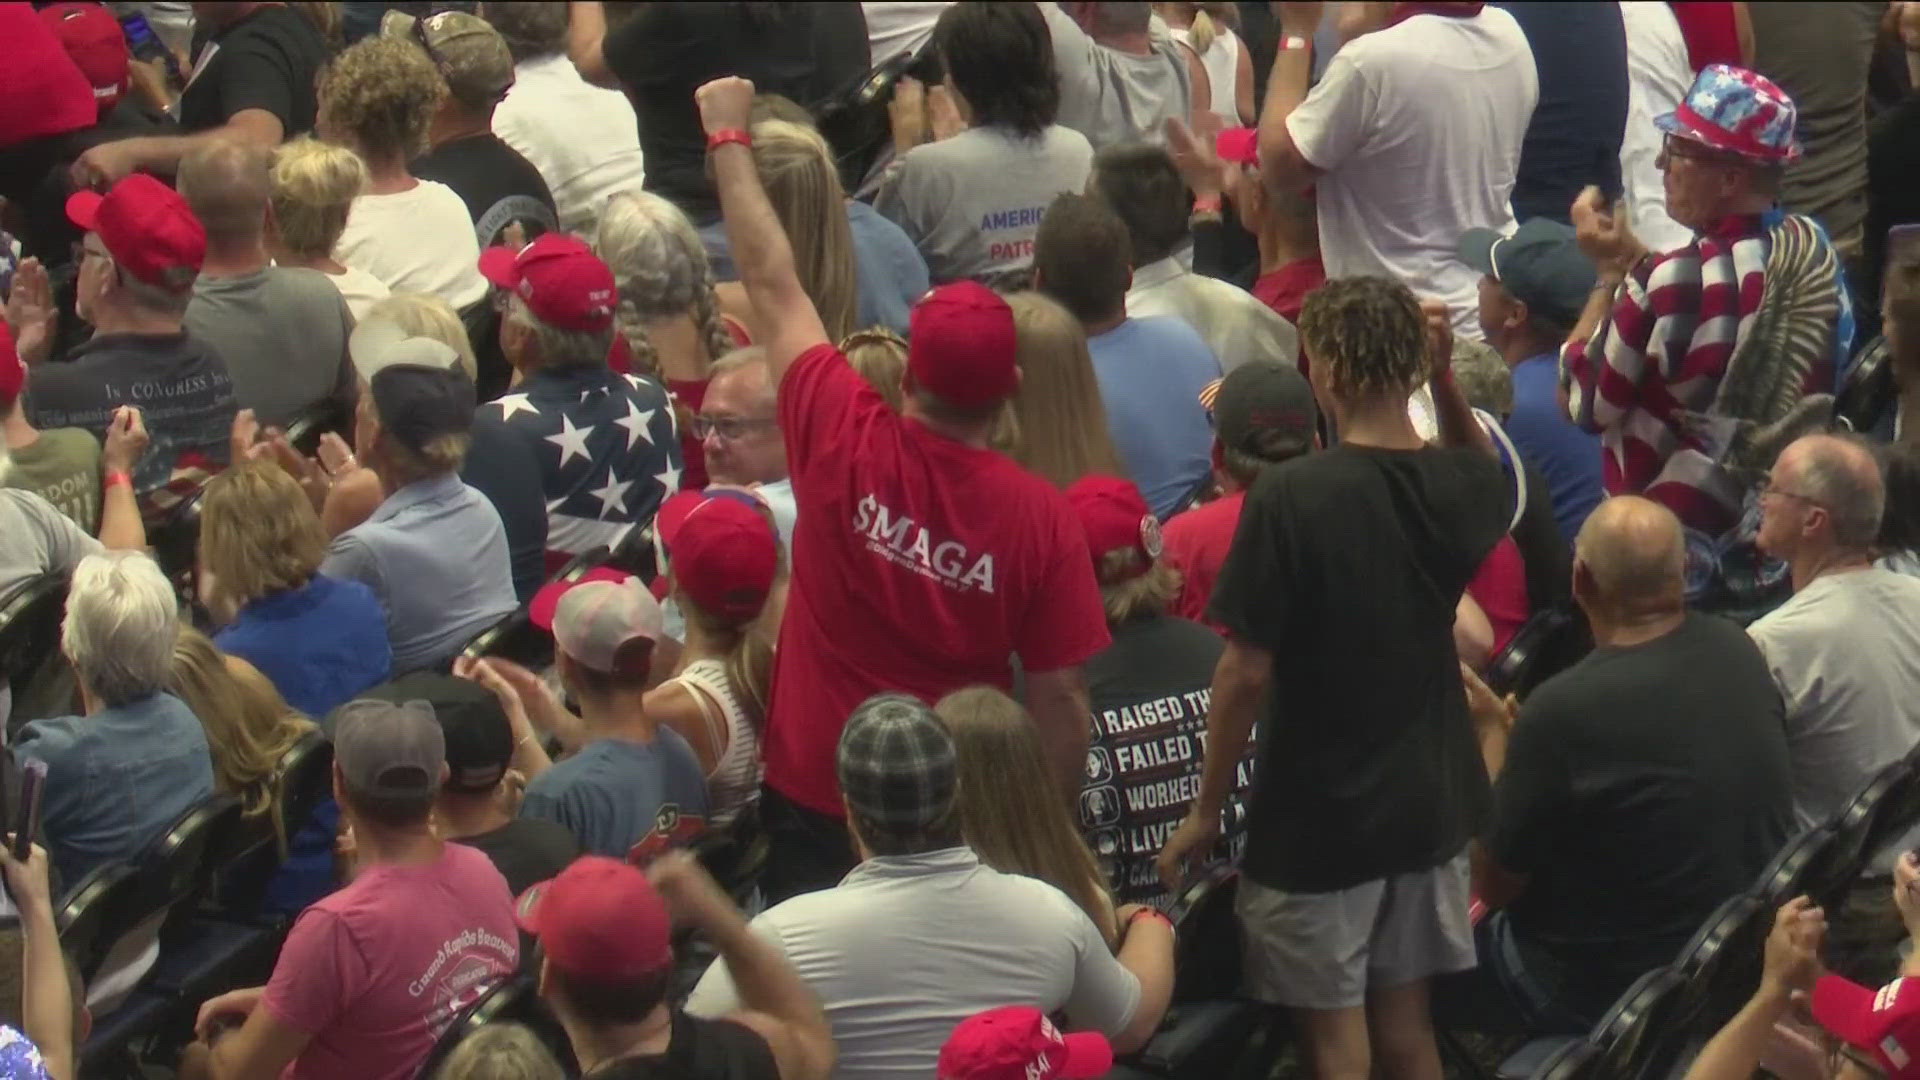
(376, 971)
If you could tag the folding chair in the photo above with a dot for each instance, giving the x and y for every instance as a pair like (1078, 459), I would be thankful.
(1636, 1036)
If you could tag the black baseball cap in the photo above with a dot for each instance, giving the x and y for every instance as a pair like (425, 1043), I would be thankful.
(1540, 264)
(1260, 398)
(479, 739)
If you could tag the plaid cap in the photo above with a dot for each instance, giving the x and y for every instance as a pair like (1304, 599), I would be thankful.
(896, 766)
(388, 749)
(467, 51)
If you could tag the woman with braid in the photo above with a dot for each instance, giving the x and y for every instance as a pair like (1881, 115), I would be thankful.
(667, 323)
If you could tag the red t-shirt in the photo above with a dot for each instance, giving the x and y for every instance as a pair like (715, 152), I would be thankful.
(1500, 588)
(1710, 31)
(1286, 289)
(920, 565)
(1196, 544)
(688, 395)
(376, 972)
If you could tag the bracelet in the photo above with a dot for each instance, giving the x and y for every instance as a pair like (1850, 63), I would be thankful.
(116, 476)
(728, 135)
(1206, 204)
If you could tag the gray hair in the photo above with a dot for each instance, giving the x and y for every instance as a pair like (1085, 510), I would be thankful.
(660, 268)
(561, 348)
(746, 359)
(1841, 476)
(121, 622)
(163, 300)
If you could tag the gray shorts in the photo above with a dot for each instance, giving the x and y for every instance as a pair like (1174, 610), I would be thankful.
(1324, 950)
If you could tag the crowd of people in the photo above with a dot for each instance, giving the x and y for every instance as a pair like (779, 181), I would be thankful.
(972, 470)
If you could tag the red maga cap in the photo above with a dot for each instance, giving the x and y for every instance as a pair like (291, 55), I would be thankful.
(148, 228)
(1115, 517)
(563, 282)
(962, 346)
(600, 920)
(1883, 1024)
(1019, 1043)
(93, 38)
(721, 552)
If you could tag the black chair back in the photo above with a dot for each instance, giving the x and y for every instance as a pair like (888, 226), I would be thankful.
(1545, 645)
(306, 779)
(515, 637)
(855, 122)
(735, 855)
(1207, 933)
(30, 626)
(1577, 1060)
(95, 912)
(1894, 813)
(634, 554)
(304, 430)
(176, 542)
(1804, 860)
(514, 1000)
(1642, 1023)
(177, 870)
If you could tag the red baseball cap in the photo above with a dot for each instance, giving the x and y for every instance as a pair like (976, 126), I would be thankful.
(962, 345)
(1883, 1024)
(1115, 517)
(547, 599)
(1020, 1043)
(93, 38)
(13, 374)
(600, 920)
(148, 228)
(722, 553)
(562, 281)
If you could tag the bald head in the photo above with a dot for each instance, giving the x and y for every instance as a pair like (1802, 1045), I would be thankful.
(1633, 556)
(228, 184)
(1840, 476)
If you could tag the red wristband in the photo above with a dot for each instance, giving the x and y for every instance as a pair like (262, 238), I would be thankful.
(728, 135)
(1207, 204)
(118, 477)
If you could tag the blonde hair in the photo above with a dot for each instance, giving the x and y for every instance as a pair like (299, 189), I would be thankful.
(381, 92)
(1127, 593)
(427, 316)
(314, 185)
(661, 271)
(1205, 21)
(500, 1051)
(796, 167)
(1061, 422)
(259, 534)
(880, 356)
(1012, 811)
(249, 725)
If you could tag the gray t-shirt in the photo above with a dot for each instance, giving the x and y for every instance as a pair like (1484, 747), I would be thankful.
(907, 946)
(623, 799)
(972, 203)
(1845, 653)
(283, 333)
(1113, 97)
(36, 538)
(62, 466)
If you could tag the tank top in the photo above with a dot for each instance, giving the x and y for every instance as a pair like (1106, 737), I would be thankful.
(735, 780)
(1221, 62)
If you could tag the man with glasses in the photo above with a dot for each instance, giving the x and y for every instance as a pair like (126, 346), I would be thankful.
(740, 432)
(1696, 364)
(1845, 650)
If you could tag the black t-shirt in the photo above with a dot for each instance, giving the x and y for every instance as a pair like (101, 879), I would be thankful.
(700, 1050)
(1642, 787)
(498, 185)
(500, 467)
(1573, 139)
(527, 851)
(1347, 566)
(265, 60)
(1149, 691)
(668, 50)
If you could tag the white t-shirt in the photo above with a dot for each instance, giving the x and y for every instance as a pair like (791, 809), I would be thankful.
(1221, 62)
(360, 290)
(972, 203)
(1845, 652)
(900, 26)
(1658, 74)
(1418, 130)
(420, 240)
(581, 137)
(882, 952)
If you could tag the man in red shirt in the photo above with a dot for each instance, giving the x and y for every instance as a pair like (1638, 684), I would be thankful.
(922, 561)
(1263, 414)
(1283, 222)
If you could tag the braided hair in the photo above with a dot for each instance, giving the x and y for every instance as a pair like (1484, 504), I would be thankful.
(660, 270)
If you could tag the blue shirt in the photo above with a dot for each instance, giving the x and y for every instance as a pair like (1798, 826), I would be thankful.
(117, 779)
(1151, 372)
(319, 644)
(892, 275)
(1567, 457)
(624, 799)
(435, 555)
(1573, 139)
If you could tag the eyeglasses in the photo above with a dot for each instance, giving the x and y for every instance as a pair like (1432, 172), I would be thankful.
(1688, 150)
(1782, 493)
(728, 428)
